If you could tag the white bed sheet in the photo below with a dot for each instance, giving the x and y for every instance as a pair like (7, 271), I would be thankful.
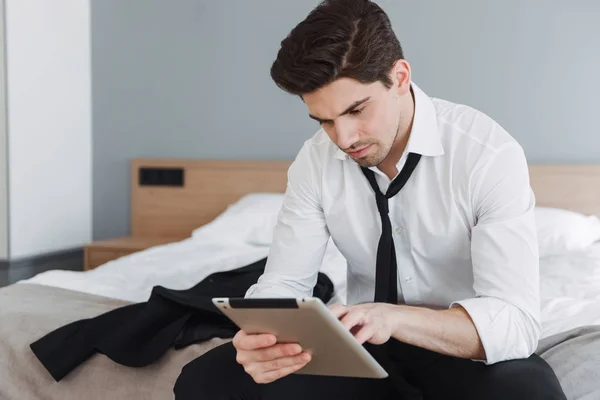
(570, 284)
(570, 290)
(178, 265)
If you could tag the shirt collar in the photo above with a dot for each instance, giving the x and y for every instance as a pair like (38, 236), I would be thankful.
(424, 136)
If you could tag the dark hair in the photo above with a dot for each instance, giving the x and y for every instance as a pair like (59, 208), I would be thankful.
(339, 38)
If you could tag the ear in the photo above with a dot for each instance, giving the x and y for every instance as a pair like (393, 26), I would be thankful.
(401, 76)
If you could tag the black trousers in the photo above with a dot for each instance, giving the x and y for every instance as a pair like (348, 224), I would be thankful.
(217, 376)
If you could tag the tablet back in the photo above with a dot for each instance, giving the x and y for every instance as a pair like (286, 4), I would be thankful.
(307, 321)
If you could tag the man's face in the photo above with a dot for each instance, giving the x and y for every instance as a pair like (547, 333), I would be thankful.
(361, 119)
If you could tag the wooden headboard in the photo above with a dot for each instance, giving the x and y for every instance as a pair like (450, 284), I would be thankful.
(209, 186)
(572, 187)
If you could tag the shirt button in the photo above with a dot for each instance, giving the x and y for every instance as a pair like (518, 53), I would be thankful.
(399, 230)
(407, 279)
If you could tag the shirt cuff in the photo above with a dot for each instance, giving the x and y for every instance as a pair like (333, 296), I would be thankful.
(505, 331)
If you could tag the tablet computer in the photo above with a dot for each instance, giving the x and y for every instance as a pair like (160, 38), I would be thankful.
(308, 322)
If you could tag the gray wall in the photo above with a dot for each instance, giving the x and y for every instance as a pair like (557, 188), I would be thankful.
(190, 78)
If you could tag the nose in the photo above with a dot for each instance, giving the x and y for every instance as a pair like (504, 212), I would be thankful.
(347, 134)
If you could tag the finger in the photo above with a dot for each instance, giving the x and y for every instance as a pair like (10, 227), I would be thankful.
(284, 362)
(365, 333)
(338, 310)
(243, 341)
(278, 351)
(272, 376)
(352, 319)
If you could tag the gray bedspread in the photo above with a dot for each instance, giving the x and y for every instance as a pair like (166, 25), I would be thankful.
(29, 311)
(575, 357)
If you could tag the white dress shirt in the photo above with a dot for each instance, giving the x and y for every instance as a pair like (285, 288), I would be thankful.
(464, 228)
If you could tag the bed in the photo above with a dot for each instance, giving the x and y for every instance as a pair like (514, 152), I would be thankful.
(226, 210)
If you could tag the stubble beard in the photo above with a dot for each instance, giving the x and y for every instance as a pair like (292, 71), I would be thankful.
(373, 160)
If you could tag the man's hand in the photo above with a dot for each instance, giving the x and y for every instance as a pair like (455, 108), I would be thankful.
(370, 322)
(449, 331)
(265, 360)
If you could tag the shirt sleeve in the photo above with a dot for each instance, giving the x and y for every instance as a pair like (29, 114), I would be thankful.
(300, 236)
(505, 256)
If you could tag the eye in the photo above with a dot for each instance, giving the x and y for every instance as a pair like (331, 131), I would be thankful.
(356, 111)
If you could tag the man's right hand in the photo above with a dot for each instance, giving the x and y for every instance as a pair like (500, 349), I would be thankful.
(265, 360)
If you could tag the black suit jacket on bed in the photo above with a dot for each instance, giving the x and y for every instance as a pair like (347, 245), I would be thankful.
(136, 335)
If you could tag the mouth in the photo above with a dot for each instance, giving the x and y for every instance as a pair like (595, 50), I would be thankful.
(359, 153)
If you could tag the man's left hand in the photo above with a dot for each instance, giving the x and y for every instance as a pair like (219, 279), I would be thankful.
(369, 322)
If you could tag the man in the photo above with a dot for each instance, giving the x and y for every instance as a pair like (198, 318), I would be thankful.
(460, 318)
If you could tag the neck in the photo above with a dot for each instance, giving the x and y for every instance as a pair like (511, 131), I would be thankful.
(388, 166)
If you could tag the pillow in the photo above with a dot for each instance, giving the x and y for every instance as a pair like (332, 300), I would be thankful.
(251, 219)
(562, 231)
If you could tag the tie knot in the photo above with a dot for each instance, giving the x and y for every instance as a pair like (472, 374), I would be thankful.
(382, 204)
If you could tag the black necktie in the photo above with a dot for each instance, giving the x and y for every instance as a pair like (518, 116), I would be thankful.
(386, 272)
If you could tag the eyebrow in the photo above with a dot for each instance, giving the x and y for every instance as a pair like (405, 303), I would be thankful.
(346, 111)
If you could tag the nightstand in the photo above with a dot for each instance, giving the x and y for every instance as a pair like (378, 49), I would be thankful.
(100, 252)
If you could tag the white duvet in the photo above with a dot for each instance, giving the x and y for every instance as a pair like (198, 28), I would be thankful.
(570, 290)
(570, 283)
(178, 265)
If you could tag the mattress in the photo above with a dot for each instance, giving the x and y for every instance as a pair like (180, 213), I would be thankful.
(570, 294)
(569, 284)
